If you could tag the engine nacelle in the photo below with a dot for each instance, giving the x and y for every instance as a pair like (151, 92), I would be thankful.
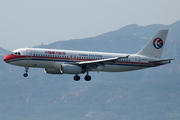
(71, 69)
(52, 71)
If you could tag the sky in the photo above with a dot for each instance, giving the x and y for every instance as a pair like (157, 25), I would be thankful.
(26, 23)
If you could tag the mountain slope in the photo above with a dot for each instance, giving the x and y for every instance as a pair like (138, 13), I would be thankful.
(120, 40)
(3, 52)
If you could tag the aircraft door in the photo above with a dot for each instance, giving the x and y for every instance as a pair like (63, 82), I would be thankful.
(28, 53)
(138, 60)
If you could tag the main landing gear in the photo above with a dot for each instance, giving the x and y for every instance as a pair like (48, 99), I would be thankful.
(87, 77)
(26, 70)
(76, 77)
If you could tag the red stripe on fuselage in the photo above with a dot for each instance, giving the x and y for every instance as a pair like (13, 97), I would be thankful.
(9, 58)
(12, 57)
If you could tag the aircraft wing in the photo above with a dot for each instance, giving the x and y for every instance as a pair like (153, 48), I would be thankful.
(96, 63)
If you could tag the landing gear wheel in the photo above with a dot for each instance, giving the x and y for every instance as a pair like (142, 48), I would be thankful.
(87, 77)
(76, 77)
(26, 69)
(25, 74)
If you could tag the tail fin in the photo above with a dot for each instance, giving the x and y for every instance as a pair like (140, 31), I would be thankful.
(155, 46)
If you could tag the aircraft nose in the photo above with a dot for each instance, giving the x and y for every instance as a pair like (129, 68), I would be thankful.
(6, 58)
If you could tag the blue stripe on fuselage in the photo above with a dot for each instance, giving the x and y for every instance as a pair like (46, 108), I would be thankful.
(70, 60)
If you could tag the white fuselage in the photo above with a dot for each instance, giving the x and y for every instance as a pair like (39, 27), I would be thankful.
(77, 62)
(52, 58)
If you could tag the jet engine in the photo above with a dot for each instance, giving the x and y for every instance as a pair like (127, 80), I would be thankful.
(52, 71)
(71, 69)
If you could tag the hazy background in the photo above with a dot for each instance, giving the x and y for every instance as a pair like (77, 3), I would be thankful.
(148, 94)
(28, 23)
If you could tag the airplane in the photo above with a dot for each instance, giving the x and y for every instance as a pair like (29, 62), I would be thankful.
(56, 61)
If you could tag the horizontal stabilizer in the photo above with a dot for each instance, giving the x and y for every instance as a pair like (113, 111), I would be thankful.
(160, 61)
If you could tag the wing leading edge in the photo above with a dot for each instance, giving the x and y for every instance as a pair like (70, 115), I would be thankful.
(94, 64)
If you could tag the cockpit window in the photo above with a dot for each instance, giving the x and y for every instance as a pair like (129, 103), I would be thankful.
(16, 53)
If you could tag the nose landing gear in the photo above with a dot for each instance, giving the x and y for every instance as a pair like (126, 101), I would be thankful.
(26, 70)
